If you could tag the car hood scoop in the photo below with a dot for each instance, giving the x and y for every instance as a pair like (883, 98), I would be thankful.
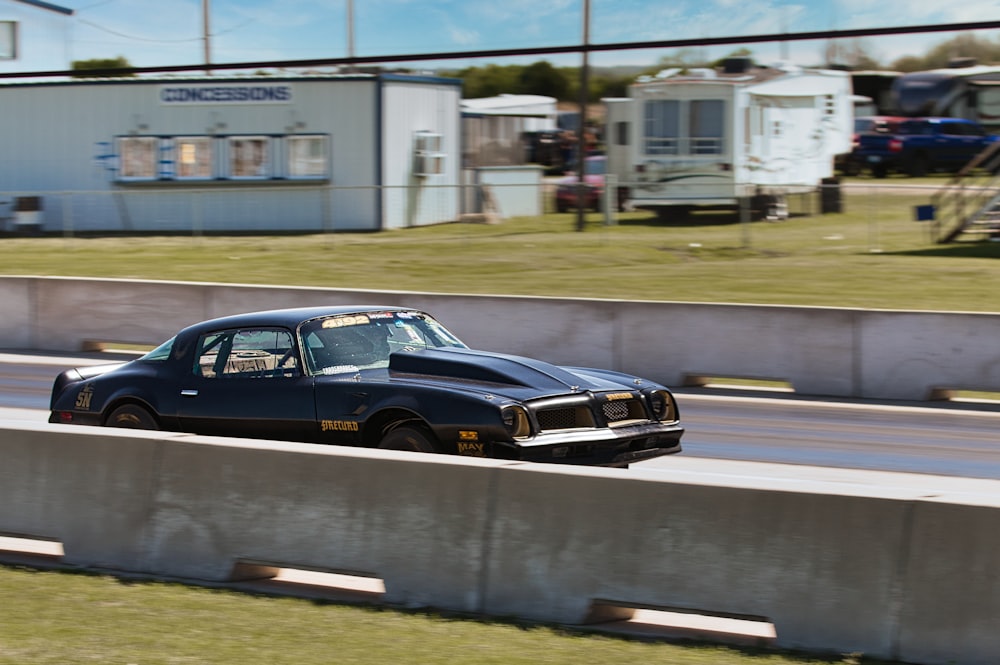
(481, 366)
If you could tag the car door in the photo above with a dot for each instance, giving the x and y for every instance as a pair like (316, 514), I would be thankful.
(957, 147)
(248, 383)
(972, 142)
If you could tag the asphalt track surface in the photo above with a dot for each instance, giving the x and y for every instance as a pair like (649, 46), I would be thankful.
(938, 438)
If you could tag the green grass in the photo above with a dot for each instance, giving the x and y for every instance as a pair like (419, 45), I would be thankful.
(873, 256)
(58, 618)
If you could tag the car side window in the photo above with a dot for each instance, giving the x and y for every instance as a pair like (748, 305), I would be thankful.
(255, 353)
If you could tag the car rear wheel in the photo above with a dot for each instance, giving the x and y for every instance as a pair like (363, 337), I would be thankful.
(407, 437)
(131, 416)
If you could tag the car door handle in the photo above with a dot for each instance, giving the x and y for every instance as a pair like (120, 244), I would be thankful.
(189, 393)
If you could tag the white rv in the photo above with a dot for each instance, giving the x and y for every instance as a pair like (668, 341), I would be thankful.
(716, 137)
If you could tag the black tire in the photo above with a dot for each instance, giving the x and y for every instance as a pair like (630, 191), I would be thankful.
(413, 438)
(131, 416)
(561, 207)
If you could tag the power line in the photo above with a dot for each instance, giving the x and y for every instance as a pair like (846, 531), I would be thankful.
(547, 50)
(162, 41)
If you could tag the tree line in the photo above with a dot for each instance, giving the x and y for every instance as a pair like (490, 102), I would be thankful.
(563, 83)
(542, 78)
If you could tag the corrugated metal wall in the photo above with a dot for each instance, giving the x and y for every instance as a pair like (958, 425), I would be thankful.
(411, 199)
(57, 140)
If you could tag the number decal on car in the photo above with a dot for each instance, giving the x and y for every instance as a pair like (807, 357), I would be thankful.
(342, 321)
(84, 397)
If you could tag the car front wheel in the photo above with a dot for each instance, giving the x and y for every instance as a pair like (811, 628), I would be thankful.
(413, 438)
(131, 416)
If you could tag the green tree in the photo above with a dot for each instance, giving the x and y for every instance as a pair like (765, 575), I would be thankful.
(490, 80)
(853, 54)
(541, 78)
(682, 58)
(966, 45)
(101, 64)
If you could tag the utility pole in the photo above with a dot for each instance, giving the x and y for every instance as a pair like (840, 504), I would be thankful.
(581, 139)
(206, 34)
(350, 28)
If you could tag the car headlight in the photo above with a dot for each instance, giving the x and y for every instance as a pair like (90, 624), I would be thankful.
(515, 421)
(662, 405)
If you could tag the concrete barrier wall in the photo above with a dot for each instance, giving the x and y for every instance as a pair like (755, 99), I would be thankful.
(892, 565)
(834, 352)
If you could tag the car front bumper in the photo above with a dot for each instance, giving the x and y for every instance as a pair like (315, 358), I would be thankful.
(624, 446)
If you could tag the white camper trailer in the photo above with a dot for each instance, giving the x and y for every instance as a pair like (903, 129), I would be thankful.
(718, 137)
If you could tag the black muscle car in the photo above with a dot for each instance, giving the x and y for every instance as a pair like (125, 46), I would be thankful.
(373, 376)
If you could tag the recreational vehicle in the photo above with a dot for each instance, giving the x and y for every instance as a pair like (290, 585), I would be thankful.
(962, 90)
(736, 136)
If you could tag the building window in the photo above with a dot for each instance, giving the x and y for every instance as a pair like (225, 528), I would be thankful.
(301, 157)
(428, 154)
(138, 157)
(8, 40)
(308, 156)
(193, 157)
(249, 157)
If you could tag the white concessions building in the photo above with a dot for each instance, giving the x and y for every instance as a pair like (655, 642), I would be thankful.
(216, 154)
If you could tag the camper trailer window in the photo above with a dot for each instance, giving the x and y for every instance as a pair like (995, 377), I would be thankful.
(662, 126)
(707, 126)
(8, 40)
(621, 133)
(193, 157)
(307, 156)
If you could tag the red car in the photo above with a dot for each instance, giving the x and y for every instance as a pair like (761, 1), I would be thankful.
(593, 178)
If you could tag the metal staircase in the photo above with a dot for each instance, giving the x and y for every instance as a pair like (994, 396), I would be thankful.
(968, 206)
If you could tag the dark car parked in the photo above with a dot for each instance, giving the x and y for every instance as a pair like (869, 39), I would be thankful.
(853, 163)
(373, 376)
(918, 146)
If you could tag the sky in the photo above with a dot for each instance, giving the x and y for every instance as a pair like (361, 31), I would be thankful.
(170, 32)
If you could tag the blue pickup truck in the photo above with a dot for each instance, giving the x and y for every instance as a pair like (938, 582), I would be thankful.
(918, 146)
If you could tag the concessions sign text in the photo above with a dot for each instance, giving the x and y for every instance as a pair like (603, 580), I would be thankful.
(206, 93)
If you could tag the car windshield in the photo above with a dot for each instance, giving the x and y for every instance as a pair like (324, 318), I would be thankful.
(162, 352)
(352, 342)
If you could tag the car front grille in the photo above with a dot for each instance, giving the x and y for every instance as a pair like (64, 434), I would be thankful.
(567, 417)
(617, 411)
(614, 412)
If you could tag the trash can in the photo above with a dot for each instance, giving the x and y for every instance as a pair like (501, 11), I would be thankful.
(27, 214)
(829, 196)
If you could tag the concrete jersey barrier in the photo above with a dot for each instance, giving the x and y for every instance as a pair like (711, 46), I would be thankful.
(894, 566)
(872, 354)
